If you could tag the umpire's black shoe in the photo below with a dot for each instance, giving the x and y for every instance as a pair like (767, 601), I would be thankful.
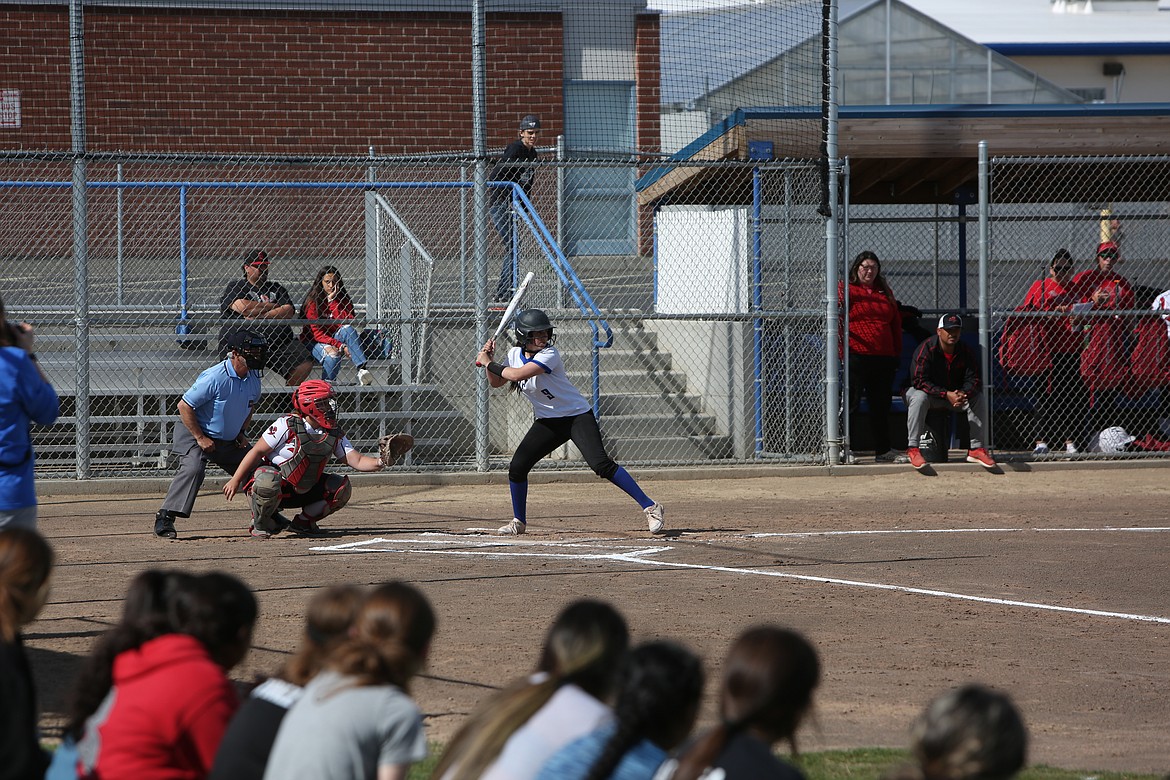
(164, 525)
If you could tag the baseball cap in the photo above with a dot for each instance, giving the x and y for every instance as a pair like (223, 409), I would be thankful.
(530, 122)
(257, 257)
(1106, 246)
(948, 321)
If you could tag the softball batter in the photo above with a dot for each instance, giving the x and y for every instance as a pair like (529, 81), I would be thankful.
(562, 414)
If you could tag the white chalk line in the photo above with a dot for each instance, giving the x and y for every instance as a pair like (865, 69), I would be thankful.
(792, 534)
(638, 555)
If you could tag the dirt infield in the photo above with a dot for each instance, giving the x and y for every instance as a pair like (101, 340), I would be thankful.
(1049, 583)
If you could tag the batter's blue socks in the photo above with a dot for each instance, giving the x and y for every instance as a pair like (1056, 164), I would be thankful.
(519, 492)
(622, 479)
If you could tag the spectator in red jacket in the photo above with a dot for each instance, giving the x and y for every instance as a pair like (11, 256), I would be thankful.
(329, 300)
(1058, 394)
(1105, 359)
(170, 700)
(875, 345)
(944, 374)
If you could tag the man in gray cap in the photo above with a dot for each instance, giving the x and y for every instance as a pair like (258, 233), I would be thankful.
(513, 166)
(944, 374)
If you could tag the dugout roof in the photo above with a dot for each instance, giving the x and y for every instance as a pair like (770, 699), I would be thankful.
(929, 153)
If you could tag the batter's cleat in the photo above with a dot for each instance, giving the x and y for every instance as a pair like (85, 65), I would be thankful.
(982, 457)
(258, 533)
(654, 518)
(303, 526)
(365, 377)
(514, 528)
(914, 455)
(164, 525)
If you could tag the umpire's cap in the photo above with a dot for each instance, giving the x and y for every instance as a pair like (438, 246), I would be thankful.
(530, 122)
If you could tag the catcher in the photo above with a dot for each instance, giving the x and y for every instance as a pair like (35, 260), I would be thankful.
(289, 462)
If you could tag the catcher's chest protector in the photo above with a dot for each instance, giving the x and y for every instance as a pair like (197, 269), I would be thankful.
(311, 455)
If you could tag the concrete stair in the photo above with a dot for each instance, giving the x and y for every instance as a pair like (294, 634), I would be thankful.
(647, 414)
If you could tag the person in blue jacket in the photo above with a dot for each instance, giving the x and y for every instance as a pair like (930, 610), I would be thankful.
(25, 397)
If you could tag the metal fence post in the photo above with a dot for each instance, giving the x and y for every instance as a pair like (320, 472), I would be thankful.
(984, 293)
(80, 236)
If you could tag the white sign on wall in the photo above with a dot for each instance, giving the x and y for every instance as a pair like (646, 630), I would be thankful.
(9, 108)
(702, 257)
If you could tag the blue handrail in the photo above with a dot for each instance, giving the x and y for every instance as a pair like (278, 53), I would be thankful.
(552, 251)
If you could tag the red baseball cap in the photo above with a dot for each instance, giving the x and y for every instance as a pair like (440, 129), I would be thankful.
(257, 257)
(1105, 246)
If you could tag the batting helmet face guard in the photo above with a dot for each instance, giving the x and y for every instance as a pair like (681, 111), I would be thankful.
(314, 400)
(252, 346)
(532, 321)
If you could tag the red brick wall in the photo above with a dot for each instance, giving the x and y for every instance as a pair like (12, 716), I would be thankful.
(178, 80)
(649, 100)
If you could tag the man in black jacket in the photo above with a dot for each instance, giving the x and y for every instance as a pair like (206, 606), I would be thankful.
(515, 166)
(944, 374)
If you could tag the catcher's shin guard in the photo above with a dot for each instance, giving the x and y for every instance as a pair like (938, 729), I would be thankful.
(337, 492)
(265, 497)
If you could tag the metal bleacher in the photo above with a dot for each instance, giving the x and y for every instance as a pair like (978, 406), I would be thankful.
(136, 379)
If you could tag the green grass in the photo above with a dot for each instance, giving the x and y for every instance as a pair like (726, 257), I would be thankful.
(872, 763)
(861, 764)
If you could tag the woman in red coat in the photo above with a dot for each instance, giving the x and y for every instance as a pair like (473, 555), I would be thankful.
(875, 345)
(1105, 360)
(1058, 394)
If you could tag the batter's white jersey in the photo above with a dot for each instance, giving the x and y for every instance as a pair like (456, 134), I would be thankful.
(551, 393)
(284, 443)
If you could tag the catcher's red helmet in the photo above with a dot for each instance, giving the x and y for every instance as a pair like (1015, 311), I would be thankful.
(315, 400)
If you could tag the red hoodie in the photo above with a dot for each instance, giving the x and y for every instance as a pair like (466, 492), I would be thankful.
(164, 716)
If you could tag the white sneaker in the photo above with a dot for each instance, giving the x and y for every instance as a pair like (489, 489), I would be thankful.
(1070, 448)
(1041, 448)
(365, 376)
(654, 518)
(514, 528)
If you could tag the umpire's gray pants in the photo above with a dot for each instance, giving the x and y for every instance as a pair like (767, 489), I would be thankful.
(919, 403)
(193, 466)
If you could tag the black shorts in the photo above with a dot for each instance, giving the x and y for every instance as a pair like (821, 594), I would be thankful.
(284, 358)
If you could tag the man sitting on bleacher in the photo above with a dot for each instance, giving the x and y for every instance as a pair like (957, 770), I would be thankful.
(944, 374)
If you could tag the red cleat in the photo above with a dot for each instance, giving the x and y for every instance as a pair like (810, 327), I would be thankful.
(982, 457)
(914, 455)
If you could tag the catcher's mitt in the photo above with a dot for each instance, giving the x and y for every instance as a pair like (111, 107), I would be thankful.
(392, 447)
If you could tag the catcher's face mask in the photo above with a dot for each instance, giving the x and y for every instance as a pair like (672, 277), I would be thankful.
(324, 412)
(314, 399)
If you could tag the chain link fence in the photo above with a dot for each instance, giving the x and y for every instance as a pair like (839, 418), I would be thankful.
(1080, 344)
(691, 356)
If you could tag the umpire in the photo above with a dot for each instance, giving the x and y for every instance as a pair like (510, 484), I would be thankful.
(215, 412)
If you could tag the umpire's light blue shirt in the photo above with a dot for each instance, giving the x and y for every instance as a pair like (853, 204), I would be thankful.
(222, 400)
